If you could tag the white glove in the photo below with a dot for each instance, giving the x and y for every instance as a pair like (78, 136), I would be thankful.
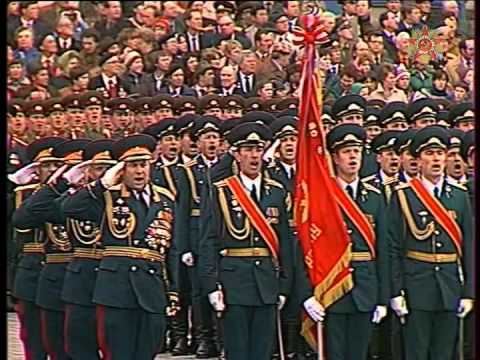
(56, 175)
(24, 175)
(379, 313)
(187, 259)
(216, 299)
(465, 306)
(270, 152)
(76, 173)
(113, 175)
(281, 301)
(314, 309)
(399, 305)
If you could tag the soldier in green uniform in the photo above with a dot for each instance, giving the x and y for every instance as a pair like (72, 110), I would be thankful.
(37, 213)
(350, 320)
(430, 235)
(408, 164)
(394, 116)
(462, 116)
(77, 120)
(122, 118)
(287, 103)
(136, 281)
(456, 168)
(188, 147)
(210, 105)
(163, 106)
(17, 124)
(327, 119)
(422, 113)
(245, 273)
(144, 113)
(93, 103)
(233, 106)
(57, 117)
(389, 163)
(253, 104)
(442, 118)
(31, 241)
(37, 120)
(80, 276)
(185, 105)
(372, 125)
(350, 109)
(196, 182)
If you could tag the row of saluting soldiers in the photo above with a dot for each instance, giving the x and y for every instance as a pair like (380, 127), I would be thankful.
(119, 235)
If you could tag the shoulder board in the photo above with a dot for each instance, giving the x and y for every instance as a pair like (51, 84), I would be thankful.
(27, 187)
(273, 183)
(115, 187)
(163, 191)
(458, 186)
(271, 164)
(390, 181)
(371, 188)
(368, 178)
(402, 186)
(191, 163)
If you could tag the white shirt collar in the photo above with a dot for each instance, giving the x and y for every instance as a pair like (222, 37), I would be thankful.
(385, 177)
(207, 162)
(407, 177)
(145, 193)
(431, 187)
(353, 184)
(168, 162)
(248, 183)
(185, 158)
(288, 167)
(452, 180)
(107, 79)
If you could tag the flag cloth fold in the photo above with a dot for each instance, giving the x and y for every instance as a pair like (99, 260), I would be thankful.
(318, 219)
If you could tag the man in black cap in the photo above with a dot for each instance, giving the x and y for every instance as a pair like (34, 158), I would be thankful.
(77, 120)
(122, 117)
(389, 163)
(188, 148)
(175, 83)
(109, 81)
(58, 119)
(29, 179)
(327, 120)
(186, 105)
(167, 149)
(136, 282)
(44, 216)
(38, 125)
(163, 106)
(350, 320)
(232, 106)
(195, 182)
(408, 163)
(93, 103)
(455, 169)
(17, 124)
(210, 105)
(430, 235)
(372, 125)
(243, 279)
(422, 113)
(461, 116)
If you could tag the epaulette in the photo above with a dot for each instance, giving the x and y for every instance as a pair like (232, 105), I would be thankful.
(368, 178)
(27, 187)
(221, 183)
(191, 163)
(402, 186)
(458, 186)
(271, 164)
(390, 181)
(163, 191)
(115, 187)
(273, 183)
(371, 188)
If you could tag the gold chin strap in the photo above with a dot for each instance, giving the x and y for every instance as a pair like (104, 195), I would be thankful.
(420, 234)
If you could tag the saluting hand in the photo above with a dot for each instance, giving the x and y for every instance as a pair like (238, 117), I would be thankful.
(76, 173)
(56, 175)
(113, 175)
(25, 175)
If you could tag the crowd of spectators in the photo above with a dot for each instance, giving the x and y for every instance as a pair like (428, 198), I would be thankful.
(196, 48)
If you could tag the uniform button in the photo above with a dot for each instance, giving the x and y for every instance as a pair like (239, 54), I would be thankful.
(151, 271)
(96, 268)
(436, 232)
(133, 268)
(349, 231)
(439, 244)
(136, 242)
(437, 268)
(42, 262)
(257, 262)
(256, 239)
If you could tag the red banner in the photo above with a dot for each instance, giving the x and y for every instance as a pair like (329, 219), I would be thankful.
(321, 229)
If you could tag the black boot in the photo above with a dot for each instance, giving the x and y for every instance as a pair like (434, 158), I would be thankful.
(291, 334)
(206, 347)
(179, 333)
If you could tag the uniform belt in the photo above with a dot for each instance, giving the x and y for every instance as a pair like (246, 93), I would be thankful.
(432, 258)
(33, 249)
(136, 253)
(246, 252)
(88, 253)
(195, 212)
(362, 256)
(58, 258)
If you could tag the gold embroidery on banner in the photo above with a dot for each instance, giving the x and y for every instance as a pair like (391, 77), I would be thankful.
(315, 231)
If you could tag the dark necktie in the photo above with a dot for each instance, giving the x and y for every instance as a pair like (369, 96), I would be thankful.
(292, 173)
(436, 192)
(193, 44)
(142, 202)
(247, 83)
(469, 63)
(112, 90)
(253, 194)
(349, 189)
